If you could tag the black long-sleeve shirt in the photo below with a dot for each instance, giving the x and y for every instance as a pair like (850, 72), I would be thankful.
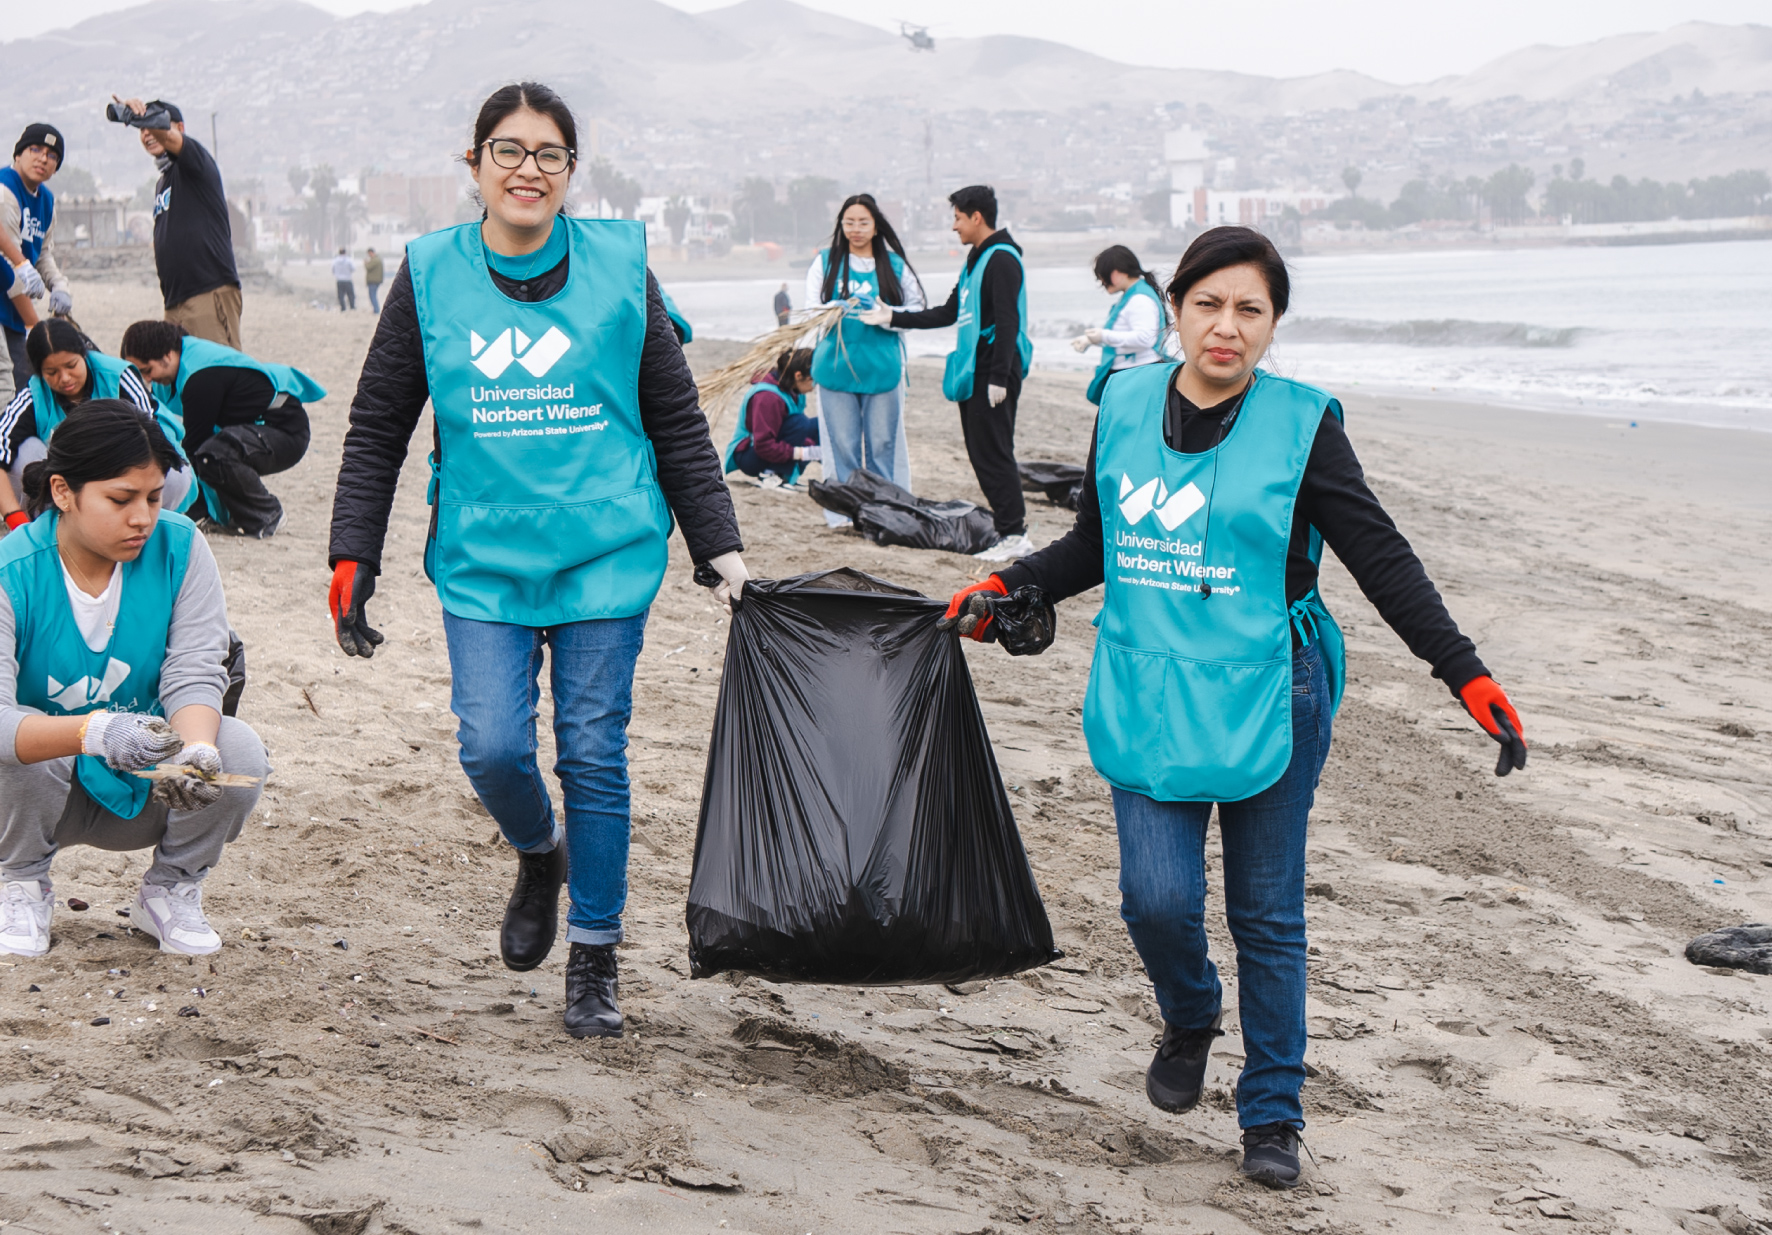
(392, 391)
(223, 395)
(999, 304)
(1333, 497)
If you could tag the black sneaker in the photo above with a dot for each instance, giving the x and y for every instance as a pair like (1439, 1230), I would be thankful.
(1178, 1071)
(590, 992)
(532, 917)
(1270, 1155)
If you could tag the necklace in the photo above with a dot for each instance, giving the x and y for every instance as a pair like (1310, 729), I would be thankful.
(81, 581)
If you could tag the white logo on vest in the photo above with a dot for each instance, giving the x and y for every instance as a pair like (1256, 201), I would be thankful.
(85, 691)
(1172, 509)
(510, 345)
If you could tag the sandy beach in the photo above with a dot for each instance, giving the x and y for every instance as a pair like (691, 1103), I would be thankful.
(1504, 1032)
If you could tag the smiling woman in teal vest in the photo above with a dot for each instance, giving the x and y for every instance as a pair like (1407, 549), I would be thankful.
(65, 374)
(1135, 325)
(568, 433)
(113, 641)
(1211, 488)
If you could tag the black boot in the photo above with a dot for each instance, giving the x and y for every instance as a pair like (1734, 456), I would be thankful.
(590, 992)
(1178, 1071)
(532, 918)
(1270, 1155)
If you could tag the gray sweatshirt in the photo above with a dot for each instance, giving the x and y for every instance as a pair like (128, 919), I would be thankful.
(196, 648)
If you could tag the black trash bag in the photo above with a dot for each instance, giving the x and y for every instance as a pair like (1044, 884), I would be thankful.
(854, 828)
(889, 515)
(1735, 947)
(1062, 483)
(1023, 622)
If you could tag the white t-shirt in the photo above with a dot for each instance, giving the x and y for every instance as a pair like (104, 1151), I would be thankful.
(1134, 336)
(96, 616)
(342, 267)
(913, 290)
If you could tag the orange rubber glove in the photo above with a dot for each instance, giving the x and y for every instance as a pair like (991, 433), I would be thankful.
(967, 610)
(353, 583)
(1489, 707)
(16, 520)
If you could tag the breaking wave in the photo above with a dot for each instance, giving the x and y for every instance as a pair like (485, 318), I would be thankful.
(1441, 332)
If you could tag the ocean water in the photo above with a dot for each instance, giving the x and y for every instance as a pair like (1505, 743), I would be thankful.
(1658, 332)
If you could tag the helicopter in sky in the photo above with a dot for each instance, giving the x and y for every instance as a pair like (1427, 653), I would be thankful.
(918, 36)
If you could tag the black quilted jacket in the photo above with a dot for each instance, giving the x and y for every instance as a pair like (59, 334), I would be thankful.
(391, 395)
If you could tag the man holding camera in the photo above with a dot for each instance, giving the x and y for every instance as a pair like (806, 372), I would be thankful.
(27, 215)
(193, 238)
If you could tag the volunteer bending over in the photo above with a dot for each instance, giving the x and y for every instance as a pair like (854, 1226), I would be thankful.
(65, 375)
(568, 431)
(244, 419)
(860, 368)
(1210, 489)
(113, 636)
(774, 435)
(1135, 325)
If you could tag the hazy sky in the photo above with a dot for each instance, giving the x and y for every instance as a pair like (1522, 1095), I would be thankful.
(1397, 40)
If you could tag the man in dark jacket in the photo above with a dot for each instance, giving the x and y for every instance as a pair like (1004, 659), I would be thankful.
(987, 415)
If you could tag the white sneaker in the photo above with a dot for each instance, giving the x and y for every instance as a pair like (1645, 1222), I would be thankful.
(25, 906)
(1007, 549)
(174, 916)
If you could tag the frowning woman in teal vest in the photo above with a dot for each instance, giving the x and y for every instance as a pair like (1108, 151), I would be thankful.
(1211, 488)
(568, 433)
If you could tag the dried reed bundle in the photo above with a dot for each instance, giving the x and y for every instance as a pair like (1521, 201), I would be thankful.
(723, 385)
(168, 771)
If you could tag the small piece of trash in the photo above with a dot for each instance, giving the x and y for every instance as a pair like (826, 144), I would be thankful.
(341, 945)
(123, 913)
(101, 1020)
(190, 1009)
(78, 905)
(214, 1083)
(34, 988)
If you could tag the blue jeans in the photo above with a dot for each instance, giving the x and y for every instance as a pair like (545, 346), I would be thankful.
(374, 296)
(796, 430)
(496, 669)
(1163, 900)
(864, 431)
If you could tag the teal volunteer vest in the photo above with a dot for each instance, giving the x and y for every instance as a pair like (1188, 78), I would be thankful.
(546, 491)
(59, 675)
(956, 380)
(195, 355)
(1190, 696)
(107, 383)
(855, 356)
(741, 431)
(1109, 354)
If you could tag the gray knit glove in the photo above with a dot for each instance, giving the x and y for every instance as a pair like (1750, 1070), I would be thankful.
(129, 741)
(192, 792)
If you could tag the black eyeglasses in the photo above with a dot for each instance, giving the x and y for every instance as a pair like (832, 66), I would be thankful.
(510, 155)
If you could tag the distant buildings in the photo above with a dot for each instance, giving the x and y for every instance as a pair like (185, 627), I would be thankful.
(1192, 204)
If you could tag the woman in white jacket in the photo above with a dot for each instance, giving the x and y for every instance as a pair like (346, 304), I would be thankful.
(1133, 335)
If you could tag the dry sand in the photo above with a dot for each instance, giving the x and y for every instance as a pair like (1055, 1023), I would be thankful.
(1504, 1033)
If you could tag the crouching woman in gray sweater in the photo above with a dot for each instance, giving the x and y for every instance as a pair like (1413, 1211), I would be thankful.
(113, 637)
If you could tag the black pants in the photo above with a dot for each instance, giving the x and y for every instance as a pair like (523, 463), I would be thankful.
(346, 291)
(990, 444)
(232, 461)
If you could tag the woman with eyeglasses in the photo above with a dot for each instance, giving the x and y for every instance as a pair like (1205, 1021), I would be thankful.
(859, 369)
(1211, 489)
(567, 433)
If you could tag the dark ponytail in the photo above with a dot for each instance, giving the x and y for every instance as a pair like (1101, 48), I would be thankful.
(886, 243)
(790, 364)
(99, 440)
(1119, 257)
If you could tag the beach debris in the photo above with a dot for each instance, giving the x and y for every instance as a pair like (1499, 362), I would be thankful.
(1734, 947)
(190, 1009)
(227, 780)
(78, 905)
(723, 385)
(33, 987)
(101, 1020)
(341, 945)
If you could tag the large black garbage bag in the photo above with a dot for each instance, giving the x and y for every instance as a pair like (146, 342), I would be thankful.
(889, 515)
(854, 828)
(1062, 483)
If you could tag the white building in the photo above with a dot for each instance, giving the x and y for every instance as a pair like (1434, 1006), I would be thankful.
(1191, 203)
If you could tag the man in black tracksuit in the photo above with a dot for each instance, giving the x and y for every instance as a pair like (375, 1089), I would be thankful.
(987, 417)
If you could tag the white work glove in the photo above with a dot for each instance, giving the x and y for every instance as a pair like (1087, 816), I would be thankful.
(996, 394)
(26, 281)
(1080, 343)
(189, 793)
(879, 315)
(1093, 334)
(61, 302)
(730, 590)
(808, 454)
(128, 741)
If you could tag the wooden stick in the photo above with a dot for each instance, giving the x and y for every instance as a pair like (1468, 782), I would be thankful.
(228, 780)
(439, 1037)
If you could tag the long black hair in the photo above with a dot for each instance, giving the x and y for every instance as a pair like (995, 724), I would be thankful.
(1221, 247)
(99, 440)
(885, 243)
(1117, 257)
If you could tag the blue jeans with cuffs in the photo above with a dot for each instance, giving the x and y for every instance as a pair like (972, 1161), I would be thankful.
(497, 670)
